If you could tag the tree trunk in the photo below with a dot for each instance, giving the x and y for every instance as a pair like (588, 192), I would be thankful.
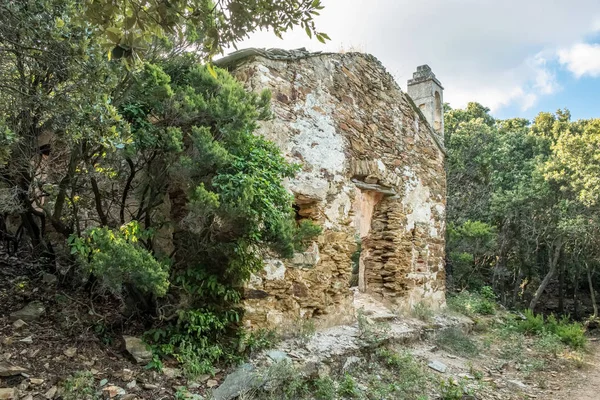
(592, 293)
(561, 292)
(553, 263)
(576, 292)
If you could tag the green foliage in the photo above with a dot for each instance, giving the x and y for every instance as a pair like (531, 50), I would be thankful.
(473, 303)
(256, 341)
(7, 140)
(451, 389)
(155, 173)
(324, 388)
(347, 387)
(116, 258)
(80, 386)
(130, 30)
(570, 333)
(235, 209)
(413, 377)
(518, 193)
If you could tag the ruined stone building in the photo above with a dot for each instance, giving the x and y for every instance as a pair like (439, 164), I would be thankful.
(373, 177)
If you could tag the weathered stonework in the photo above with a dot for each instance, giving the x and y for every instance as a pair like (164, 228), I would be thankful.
(373, 173)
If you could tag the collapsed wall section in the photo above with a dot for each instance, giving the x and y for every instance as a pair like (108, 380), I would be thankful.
(372, 176)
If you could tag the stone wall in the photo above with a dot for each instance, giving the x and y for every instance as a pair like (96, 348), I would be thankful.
(372, 175)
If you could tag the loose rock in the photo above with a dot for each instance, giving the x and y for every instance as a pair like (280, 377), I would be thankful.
(113, 391)
(18, 324)
(70, 352)
(138, 349)
(51, 392)
(29, 313)
(7, 369)
(28, 340)
(437, 366)
(239, 382)
(8, 394)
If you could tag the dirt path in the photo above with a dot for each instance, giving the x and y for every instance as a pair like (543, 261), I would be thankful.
(585, 384)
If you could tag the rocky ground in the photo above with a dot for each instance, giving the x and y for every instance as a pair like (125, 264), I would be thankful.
(55, 345)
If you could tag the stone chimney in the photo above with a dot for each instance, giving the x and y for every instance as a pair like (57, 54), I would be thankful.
(428, 94)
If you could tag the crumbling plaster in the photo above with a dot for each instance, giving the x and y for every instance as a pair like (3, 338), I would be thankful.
(372, 175)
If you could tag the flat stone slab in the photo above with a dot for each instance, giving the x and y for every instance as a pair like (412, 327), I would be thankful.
(238, 383)
(29, 313)
(437, 366)
(7, 369)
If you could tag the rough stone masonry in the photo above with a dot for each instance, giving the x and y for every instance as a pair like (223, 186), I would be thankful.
(373, 177)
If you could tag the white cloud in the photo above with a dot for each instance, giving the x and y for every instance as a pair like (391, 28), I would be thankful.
(496, 53)
(581, 59)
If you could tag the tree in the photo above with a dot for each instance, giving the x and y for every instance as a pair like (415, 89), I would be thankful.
(130, 27)
(526, 182)
(152, 171)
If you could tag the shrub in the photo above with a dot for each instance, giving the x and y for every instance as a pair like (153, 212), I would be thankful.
(347, 387)
(80, 386)
(473, 303)
(570, 333)
(404, 365)
(453, 339)
(324, 389)
(117, 257)
(422, 311)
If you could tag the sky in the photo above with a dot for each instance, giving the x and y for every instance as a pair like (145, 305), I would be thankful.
(515, 57)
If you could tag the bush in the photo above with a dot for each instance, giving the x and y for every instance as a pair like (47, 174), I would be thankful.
(422, 311)
(454, 340)
(474, 303)
(570, 333)
(80, 386)
(117, 257)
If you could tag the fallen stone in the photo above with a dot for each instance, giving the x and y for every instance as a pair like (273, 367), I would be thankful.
(8, 394)
(171, 373)
(49, 279)
(238, 383)
(127, 374)
(113, 391)
(131, 385)
(7, 369)
(437, 366)
(138, 349)
(278, 356)
(28, 340)
(29, 313)
(517, 384)
(36, 381)
(51, 392)
(211, 383)
(149, 386)
(103, 382)
(70, 352)
(18, 324)
(28, 397)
